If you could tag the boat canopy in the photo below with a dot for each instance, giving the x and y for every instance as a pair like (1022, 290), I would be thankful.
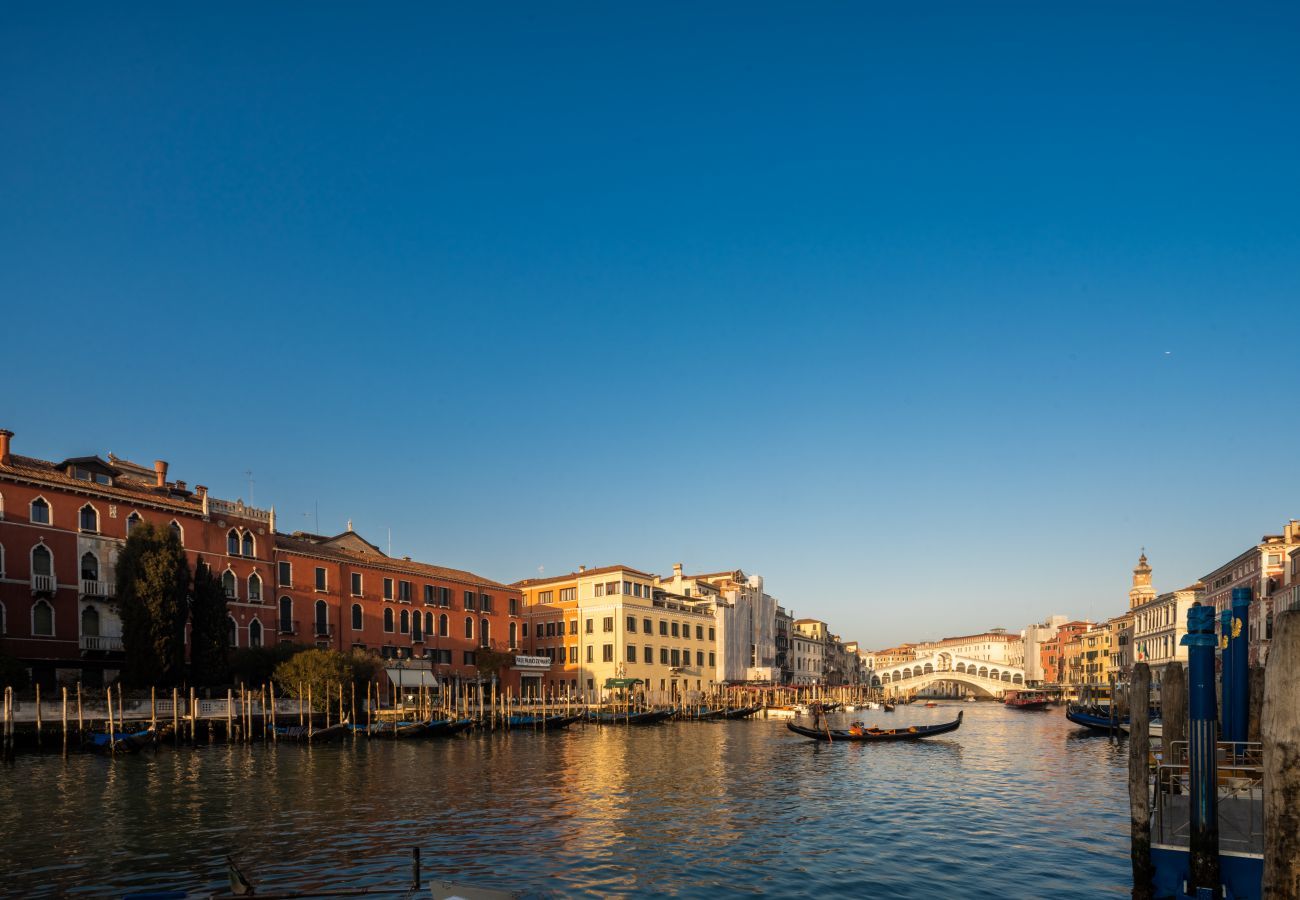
(611, 683)
(403, 678)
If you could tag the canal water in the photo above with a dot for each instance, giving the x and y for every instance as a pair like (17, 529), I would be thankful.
(1014, 804)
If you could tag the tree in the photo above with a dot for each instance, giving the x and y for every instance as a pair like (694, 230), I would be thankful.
(490, 662)
(153, 580)
(209, 625)
(324, 671)
(256, 665)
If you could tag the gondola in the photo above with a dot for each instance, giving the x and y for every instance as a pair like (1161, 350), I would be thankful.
(121, 741)
(447, 727)
(869, 735)
(743, 712)
(541, 723)
(700, 714)
(393, 730)
(889, 707)
(1094, 718)
(301, 734)
(647, 717)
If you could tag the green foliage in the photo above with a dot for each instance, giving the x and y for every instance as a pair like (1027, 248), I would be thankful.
(12, 672)
(256, 665)
(153, 580)
(209, 624)
(323, 671)
(490, 662)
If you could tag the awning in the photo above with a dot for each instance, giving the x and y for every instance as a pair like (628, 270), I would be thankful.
(412, 678)
(611, 683)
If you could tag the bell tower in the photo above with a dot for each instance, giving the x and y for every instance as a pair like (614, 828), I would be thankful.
(1142, 591)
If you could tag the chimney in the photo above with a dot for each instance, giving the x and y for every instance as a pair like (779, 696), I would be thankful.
(582, 568)
(180, 485)
(201, 490)
(349, 524)
(677, 570)
(5, 435)
(160, 470)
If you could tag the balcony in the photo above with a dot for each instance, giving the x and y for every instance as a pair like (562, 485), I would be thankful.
(43, 584)
(101, 643)
(104, 589)
(287, 627)
(322, 629)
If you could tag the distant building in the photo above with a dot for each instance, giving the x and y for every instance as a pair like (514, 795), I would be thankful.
(809, 651)
(1033, 638)
(784, 645)
(1261, 569)
(1053, 653)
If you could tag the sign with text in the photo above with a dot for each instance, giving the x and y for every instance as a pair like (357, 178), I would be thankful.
(533, 662)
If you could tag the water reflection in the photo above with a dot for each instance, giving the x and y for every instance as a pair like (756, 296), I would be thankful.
(1011, 805)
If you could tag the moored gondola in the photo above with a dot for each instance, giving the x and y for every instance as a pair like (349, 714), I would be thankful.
(121, 741)
(447, 727)
(646, 717)
(1094, 718)
(528, 721)
(302, 734)
(743, 712)
(868, 735)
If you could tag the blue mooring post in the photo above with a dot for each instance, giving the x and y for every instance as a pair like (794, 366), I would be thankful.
(1202, 735)
(1240, 684)
(1226, 672)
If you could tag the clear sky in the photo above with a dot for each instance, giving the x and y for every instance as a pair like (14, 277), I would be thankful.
(933, 315)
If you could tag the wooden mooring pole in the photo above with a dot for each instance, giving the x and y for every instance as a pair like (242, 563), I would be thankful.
(1139, 793)
(1280, 729)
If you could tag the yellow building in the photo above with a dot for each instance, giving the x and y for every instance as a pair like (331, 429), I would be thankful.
(601, 626)
(1087, 656)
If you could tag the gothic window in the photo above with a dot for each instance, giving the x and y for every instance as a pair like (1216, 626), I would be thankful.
(132, 521)
(40, 511)
(255, 633)
(246, 546)
(89, 567)
(228, 584)
(42, 619)
(90, 622)
(232, 542)
(254, 588)
(88, 518)
(42, 561)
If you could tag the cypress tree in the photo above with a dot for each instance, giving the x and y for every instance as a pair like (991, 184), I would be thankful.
(209, 622)
(153, 580)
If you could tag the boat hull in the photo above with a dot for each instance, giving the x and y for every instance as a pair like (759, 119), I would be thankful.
(914, 733)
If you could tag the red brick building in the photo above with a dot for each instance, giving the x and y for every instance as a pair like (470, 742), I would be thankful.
(344, 592)
(62, 525)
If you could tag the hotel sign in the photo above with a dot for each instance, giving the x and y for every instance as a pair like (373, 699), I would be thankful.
(533, 662)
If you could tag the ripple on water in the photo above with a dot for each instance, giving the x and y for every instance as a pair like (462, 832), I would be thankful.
(1012, 805)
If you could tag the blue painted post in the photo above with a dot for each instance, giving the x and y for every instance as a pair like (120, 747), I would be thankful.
(1240, 644)
(1225, 673)
(1202, 729)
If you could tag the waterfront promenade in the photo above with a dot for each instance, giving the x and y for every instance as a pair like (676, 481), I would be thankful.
(1012, 805)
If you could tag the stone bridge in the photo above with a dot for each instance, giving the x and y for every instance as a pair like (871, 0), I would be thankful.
(982, 676)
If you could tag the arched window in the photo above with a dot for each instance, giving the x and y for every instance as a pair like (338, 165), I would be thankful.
(88, 519)
(428, 623)
(42, 561)
(232, 542)
(89, 567)
(178, 531)
(514, 633)
(232, 633)
(417, 631)
(286, 615)
(442, 625)
(255, 633)
(483, 632)
(388, 619)
(356, 616)
(228, 584)
(132, 521)
(322, 618)
(254, 588)
(40, 511)
(246, 546)
(90, 622)
(406, 622)
(42, 619)
(469, 628)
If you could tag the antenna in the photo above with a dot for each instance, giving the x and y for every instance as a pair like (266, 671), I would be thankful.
(249, 473)
(390, 540)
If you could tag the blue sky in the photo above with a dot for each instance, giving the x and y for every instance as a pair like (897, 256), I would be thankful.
(932, 316)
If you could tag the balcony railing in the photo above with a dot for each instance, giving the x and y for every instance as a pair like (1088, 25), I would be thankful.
(99, 642)
(288, 627)
(44, 583)
(91, 588)
(323, 629)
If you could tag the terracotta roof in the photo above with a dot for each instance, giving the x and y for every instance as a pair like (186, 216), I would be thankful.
(124, 487)
(572, 576)
(409, 567)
